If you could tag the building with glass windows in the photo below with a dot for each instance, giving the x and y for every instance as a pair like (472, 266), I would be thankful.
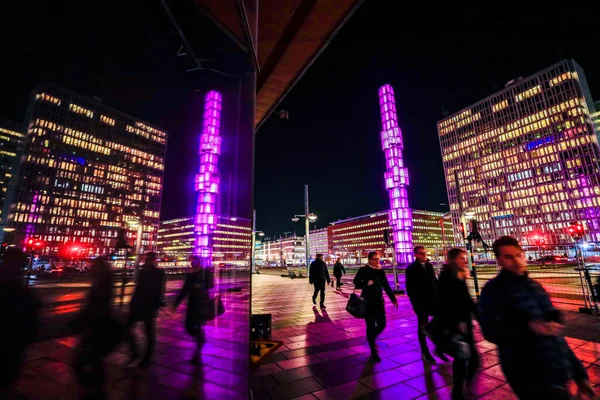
(281, 251)
(526, 159)
(87, 170)
(352, 239)
(319, 242)
(11, 148)
(232, 239)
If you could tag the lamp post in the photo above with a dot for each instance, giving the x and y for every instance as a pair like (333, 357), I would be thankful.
(308, 218)
(9, 232)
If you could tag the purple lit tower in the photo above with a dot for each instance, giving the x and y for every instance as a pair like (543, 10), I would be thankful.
(396, 177)
(207, 179)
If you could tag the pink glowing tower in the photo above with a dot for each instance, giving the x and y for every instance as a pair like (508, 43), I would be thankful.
(207, 179)
(396, 177)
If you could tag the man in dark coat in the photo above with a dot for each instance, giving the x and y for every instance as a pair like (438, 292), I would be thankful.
(338, 269)
(318, 275)
(517, 314)
(146, 301)
(421, 287)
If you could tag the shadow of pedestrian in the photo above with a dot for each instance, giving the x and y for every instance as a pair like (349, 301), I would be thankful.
(320, 318)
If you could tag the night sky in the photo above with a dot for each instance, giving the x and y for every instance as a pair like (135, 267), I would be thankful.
(125, 53)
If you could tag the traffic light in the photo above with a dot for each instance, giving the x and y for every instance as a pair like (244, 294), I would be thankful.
(576, 230)
(3, 247)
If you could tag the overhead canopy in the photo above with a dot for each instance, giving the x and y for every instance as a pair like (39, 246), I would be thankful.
(283, 37)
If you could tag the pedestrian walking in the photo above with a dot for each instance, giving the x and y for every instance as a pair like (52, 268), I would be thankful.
(454, 315)
(146, 300)
(19, 318)
(517, 315)
(196, 288)
(100, 331)
(338, 269)
(422, 290)
(372, 280)
(318, 275)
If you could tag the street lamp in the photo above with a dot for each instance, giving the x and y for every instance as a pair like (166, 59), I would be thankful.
(308, 218)
(9, 231)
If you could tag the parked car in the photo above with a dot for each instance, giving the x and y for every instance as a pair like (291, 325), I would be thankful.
(63, 272)
(553, 259)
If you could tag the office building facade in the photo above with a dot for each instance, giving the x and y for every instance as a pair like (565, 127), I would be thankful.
(319, 242)
(231, 242)
(281, 252)
(353, 238)
(12, 139)
(88, 171)
(526, 159)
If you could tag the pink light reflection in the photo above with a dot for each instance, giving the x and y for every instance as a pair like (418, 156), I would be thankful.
(396, 177)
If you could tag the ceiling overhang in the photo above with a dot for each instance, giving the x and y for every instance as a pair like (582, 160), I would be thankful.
(283, 39)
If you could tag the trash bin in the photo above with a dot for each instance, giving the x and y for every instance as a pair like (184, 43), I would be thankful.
(260, 325)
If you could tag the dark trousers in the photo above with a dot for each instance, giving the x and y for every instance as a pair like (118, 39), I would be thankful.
(422, 320)
(195, 328)
(150, 329)
(319, 286)
(461, 368)
(338, 280)
(376, 321)
(89, 367)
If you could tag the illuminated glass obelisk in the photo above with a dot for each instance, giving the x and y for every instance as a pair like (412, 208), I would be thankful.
(207, 179)
(396, 177)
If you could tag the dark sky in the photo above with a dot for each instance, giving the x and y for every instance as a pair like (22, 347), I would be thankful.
(124, 52)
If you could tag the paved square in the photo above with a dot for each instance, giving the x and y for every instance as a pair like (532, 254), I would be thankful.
(325, 353)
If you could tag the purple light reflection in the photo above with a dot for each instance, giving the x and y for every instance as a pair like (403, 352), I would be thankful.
(396, 176)
(207, 179)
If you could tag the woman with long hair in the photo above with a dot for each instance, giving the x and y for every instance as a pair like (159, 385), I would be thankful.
(455, 315)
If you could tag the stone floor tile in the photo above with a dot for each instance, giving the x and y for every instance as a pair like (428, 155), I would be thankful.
(298, 362)
(398, 391)
(407, 357)
(338, 377)
(430, 382)
(369, 368)
(296, 374)
(499, 394)
(417, 368)
(483, 384)
(383, 379)
(295, 389)
(350, 390)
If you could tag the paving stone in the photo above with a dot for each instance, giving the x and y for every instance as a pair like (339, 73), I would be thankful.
(350, 390)
(383, 379)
